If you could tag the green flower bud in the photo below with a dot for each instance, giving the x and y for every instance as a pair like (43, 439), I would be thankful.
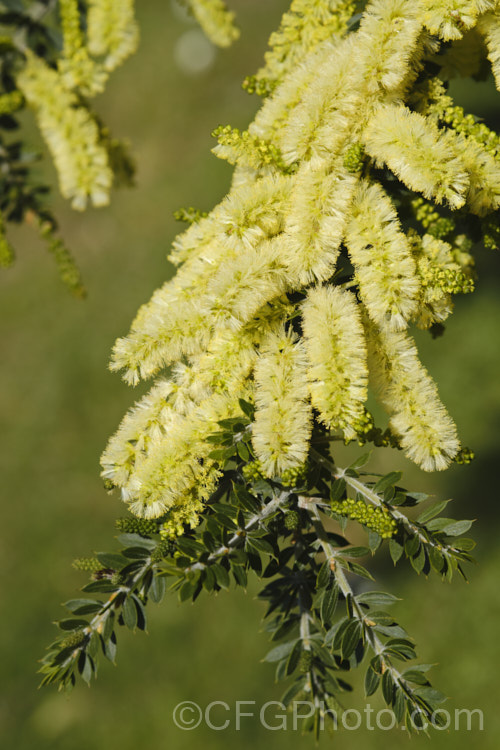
(91, 564)
(75, 638)
(305, 662)
(375, 519)
(142, 526)
(292, 520)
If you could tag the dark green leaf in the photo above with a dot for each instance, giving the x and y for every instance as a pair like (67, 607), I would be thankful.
(433, 510)
(72, 623)
(109, 647)
(329, 603)
(381, 618)
(356, 552)
(449, 526)
(187, 590)
(109, 623)
(372, 680)
(136, 540)
(464, 544)
(324, 575)
(338, 490)
(189, 546)
(395, 549)
(100, 587)
(293, 659)
(141, 612)
(129, 613)
(350, 638)
(91, 608)
(388, 480)
(208, 579)
(221, 576)
(374, 540)
(399, 705)
(413, 675)
(74, 604)
(431, 695)
(243, 451)
(436, 558)
(361, 461)
(280, 652)
(85, 666)
(111, 560)
(93, 645)
(157, 589)
(360, 571)
(240, 575)
(418, 497)
(411, 545)
(387, 687)
(261, 545)
(247, 408)
(418, 561)
(293, 690)
(377, 598)
(136, 553)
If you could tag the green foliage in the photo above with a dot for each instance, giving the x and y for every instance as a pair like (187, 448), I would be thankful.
(291, 535)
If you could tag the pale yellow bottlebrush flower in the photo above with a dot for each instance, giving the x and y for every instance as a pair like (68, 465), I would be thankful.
(382, 258)
(315, 224)
(302, 29)
(113, 33)
(425, 429)
(449, 19)
(336, 354)
(282, 426)
(71, 133)
(418, 153)
(215, 19)
(489, 27)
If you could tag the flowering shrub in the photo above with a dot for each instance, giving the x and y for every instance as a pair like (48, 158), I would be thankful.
(360, 194)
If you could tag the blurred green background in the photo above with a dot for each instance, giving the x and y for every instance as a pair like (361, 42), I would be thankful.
(59, 404)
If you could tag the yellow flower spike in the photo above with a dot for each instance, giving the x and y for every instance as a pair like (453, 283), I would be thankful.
(414, 149)
(336, 353)
(71, 133)
(425, 430)
(449, 19)
(390, 33)
(315, 225)
(77, 69)
(377, 246)
(215, 19)
(113, 34)
(302, 29)
(282, 426)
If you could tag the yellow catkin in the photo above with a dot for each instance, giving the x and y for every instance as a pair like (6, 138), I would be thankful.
(215, 19)
(71, 133)
(113, 33)
(414, 149)
(377, 247)
(336, 353)
(282, 424)
(425, 429)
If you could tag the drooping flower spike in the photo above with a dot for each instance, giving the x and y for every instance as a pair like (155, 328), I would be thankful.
(58, 94)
